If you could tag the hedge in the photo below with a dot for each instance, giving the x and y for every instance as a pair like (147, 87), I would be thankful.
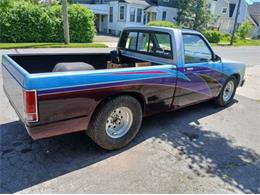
(23, 21)
(163, 24)
(213, 36)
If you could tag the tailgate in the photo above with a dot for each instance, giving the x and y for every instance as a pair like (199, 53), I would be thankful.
(14, 92)
(14, 79)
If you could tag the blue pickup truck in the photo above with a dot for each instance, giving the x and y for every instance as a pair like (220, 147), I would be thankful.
(153, 70)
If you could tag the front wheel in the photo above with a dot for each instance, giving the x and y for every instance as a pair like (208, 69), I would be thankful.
(116, 122)
(227, 93)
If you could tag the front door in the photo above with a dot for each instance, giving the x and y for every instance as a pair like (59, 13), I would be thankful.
(203, 74)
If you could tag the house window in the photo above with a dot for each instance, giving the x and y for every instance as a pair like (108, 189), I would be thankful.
(164, 15)
(232, 7)
(121, 12)
(139, 15)
(111, 14)
(132, 14)
(224, 10)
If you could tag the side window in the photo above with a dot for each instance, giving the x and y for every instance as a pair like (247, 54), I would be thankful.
(162, 46)
(164, 41)
(195, 49)
(131, 41)
(143, 42)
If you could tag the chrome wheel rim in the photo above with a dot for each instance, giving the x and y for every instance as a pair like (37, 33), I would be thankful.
(119, 122)
(228, 91)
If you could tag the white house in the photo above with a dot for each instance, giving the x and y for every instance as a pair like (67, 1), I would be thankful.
(112, 16)
(225, 11)
(254, 14)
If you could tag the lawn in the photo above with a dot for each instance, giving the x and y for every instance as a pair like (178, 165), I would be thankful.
(50, 45)
(241, 43)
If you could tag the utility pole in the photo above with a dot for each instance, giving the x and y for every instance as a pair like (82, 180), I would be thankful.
(235, 23)
(66, 21)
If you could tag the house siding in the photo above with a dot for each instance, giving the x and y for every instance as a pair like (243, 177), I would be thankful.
(225, 21)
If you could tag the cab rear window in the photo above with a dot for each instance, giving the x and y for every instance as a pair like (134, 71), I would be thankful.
(149, 43)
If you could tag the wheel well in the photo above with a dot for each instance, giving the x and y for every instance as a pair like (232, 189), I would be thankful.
(237, 76)
(136, 95)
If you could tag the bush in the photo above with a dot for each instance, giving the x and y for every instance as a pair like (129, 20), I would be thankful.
(27, 22)
(244, 29)
(163, 24)
(227, 37)
(212, 36)
(82, 25)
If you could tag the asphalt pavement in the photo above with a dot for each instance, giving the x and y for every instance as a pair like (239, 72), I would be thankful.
(199, 149)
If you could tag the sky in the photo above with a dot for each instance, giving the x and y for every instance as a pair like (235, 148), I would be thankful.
(252, 1)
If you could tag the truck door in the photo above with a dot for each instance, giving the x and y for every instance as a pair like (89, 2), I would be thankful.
(202, 72)
(158, 80)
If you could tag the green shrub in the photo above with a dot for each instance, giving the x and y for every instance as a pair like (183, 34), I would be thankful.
(244, 29)
(163, 24)
(82, 24)
(23, 21)
(227, 37)
(213, 36)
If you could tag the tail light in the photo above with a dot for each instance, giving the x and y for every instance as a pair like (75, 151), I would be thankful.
(30, 105)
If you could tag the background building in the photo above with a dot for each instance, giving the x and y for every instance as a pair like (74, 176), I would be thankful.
(254, 13)
(113, 15)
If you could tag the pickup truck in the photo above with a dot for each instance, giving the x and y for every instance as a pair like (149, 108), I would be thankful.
(153, 70)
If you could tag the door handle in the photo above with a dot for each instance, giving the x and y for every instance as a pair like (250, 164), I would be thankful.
(189, 68)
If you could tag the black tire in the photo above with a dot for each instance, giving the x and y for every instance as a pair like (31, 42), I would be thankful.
(97, 128)
(220, 99)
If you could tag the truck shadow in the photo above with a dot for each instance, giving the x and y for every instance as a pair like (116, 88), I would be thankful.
(25, 163)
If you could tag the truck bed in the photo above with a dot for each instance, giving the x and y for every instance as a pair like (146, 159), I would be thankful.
(42, 63)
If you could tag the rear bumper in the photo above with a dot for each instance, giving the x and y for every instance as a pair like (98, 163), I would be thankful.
(58, 128)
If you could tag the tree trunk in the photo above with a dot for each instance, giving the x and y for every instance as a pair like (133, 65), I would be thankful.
(65, 21)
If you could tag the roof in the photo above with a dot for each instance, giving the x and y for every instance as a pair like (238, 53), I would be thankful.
(139, 2)
(162, 29)
(254, 12)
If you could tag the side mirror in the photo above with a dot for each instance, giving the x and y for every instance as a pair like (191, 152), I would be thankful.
(217, 58)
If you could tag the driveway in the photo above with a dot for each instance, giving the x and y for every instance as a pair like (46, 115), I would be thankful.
(200, 149)
(109, 40)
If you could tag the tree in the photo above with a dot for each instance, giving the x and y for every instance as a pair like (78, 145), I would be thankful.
(193, 14)
(202, 15)
(66, 21)
(185, 13)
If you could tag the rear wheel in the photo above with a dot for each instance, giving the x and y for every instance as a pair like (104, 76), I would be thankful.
(227, 93)
(116, 122)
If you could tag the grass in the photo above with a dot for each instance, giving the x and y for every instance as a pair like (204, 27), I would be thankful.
(247, 42)
(50, 45)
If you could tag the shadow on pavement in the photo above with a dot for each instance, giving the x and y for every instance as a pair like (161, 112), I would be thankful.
(25, 162)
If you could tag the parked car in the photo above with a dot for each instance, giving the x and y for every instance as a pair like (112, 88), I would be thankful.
(153, 70)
